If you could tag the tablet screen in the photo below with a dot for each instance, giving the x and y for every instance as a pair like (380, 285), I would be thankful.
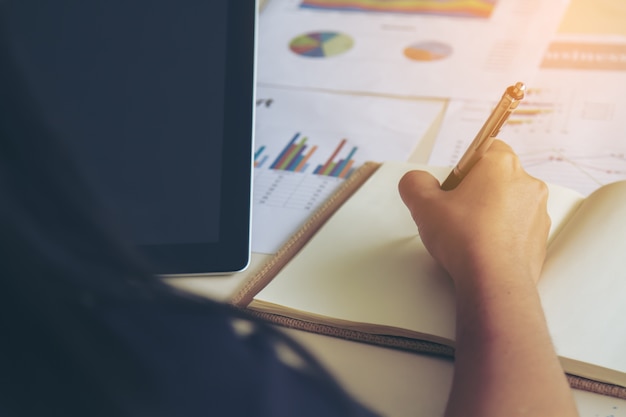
(155, 105)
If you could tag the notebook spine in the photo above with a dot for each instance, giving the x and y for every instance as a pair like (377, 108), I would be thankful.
(268, 271)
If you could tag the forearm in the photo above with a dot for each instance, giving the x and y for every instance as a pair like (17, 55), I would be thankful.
(505, 362)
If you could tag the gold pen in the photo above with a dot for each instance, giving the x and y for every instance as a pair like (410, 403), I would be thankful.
(509, 101)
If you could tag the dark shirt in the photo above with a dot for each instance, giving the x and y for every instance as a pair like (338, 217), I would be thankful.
(86, 331)
(216, 364)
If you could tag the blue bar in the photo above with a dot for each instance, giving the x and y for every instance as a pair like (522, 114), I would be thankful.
(342, 164)
(296, 160)
(285, 150)
(257, 153)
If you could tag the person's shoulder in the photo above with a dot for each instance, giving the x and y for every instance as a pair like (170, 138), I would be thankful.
(213, 358)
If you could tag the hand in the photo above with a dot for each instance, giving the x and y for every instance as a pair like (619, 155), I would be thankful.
(490, 234)
(493, 224)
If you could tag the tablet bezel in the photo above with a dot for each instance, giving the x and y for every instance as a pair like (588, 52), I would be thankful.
(231, 253)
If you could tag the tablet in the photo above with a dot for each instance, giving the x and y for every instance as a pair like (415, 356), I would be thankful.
(155, 99)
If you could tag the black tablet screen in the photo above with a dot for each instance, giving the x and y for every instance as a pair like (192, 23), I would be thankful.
(137, 89)
(136, 86)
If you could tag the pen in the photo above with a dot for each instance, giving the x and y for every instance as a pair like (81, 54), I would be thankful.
(509, 101)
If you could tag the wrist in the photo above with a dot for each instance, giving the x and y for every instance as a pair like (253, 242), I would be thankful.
(495, 276)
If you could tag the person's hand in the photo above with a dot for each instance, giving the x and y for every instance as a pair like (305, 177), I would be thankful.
(490, 234)
(493, 224)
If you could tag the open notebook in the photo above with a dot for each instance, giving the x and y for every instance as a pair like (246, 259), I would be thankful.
(358, 270)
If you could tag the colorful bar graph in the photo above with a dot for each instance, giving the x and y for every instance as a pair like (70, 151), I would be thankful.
(339, 169)
(293, 156)
(296, 154)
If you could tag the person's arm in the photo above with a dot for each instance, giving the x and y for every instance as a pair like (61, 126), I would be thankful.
(490, 234)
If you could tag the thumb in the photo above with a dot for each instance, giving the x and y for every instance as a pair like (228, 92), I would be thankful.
(416, 187)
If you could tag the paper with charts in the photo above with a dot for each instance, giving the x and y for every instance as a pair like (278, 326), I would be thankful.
(425, 48)
(571, 127)
(308, 142)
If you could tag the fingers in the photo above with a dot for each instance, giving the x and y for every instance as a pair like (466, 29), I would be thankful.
(500, 146)
(497, 167)
(419, 189)
(500, 156)
(497, 209)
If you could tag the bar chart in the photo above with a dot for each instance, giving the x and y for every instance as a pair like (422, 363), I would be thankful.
(297, 153)
(292, 157)
(304, 150)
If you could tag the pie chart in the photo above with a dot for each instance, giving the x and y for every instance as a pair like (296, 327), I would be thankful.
(321, 44)
(427, 51)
